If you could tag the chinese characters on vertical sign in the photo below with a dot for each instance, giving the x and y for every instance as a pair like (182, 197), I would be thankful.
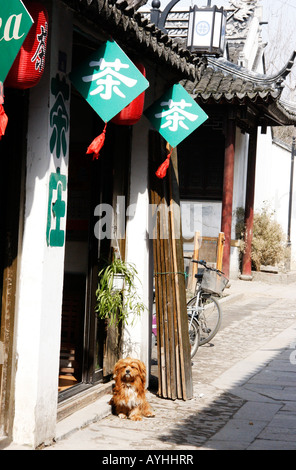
(56, 209)
(39, 56)
(59, 128)
(59, 118)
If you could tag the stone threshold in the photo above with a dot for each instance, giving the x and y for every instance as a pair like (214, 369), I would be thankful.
(80, 400)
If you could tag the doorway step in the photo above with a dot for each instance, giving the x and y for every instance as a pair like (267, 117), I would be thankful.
(83, 399)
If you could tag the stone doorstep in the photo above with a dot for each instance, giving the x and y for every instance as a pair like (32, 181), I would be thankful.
(82, 399)
(85, 416)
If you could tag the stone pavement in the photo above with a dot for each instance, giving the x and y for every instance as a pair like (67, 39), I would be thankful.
(244, 387)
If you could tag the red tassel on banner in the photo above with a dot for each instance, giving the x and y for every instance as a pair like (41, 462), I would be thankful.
(97, 144)
(3, 116)
(3, 121)
(162, 170)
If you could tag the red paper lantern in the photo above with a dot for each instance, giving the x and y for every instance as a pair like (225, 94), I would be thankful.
(29, 64)
(132, 112)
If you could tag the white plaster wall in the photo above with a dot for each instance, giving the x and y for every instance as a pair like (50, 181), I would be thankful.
(273, 171)
(251, 44)
(37, 338)
(240, 173)
(249, 57)
(203, 217)
(137, 336)
(239, 194)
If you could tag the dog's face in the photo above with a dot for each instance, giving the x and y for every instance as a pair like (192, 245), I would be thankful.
(130, 370)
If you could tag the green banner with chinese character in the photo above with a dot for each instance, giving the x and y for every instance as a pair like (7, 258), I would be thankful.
(175, 115)
(15, 23)
(108, 80)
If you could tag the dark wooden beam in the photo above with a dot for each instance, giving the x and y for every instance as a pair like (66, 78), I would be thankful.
(228, 192)
(249, 208)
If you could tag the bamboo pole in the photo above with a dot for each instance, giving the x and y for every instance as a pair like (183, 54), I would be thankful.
(183, 360)
(173, 349)
(220, 246)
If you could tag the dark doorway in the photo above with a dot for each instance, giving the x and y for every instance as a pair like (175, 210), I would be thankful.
(82, 337)
(12, 180)
(201, 164)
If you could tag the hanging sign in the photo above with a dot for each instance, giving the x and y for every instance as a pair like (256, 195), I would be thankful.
(108, 80)
(175, 115)
(15, 23)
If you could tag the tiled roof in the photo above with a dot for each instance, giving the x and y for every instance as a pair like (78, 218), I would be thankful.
(284, 112)
(127, 26)
(224, 81)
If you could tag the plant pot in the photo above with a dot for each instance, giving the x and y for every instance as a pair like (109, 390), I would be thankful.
(118, 282)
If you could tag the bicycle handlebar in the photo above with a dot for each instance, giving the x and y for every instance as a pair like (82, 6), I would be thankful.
(203, 263)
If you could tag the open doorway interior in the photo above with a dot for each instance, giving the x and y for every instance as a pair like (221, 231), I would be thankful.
(81, 335)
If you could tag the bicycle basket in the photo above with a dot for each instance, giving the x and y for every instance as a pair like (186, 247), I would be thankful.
(213, 282)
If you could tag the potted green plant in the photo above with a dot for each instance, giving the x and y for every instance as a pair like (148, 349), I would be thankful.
(117, 301)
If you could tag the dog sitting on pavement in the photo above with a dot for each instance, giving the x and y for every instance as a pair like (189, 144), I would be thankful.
(129, 394)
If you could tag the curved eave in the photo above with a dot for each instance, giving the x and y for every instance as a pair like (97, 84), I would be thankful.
(235, 98)
(258, 79)
(225, 83)
(283, 113)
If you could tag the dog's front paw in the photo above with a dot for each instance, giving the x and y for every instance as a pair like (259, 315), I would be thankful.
(136, 417)
(150, 414)
(122, 416)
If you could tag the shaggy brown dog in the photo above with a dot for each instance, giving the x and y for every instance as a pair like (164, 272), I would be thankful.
(129, 395)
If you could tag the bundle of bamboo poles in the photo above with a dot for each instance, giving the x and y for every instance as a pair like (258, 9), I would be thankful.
(173, 349)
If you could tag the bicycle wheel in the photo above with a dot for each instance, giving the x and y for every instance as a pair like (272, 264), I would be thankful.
(209, 315)
(193, 328)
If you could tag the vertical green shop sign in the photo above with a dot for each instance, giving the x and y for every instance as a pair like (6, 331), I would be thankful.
(55, 235)
(60, 125)
(15, 23)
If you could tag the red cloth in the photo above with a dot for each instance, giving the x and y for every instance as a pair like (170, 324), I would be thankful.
(162, 170)
(3, 121)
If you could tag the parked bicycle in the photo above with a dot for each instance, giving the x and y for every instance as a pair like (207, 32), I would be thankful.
(203, 310)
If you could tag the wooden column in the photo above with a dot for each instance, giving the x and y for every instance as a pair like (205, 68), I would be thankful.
(249, 208)
(228, 193)
(173, 348)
